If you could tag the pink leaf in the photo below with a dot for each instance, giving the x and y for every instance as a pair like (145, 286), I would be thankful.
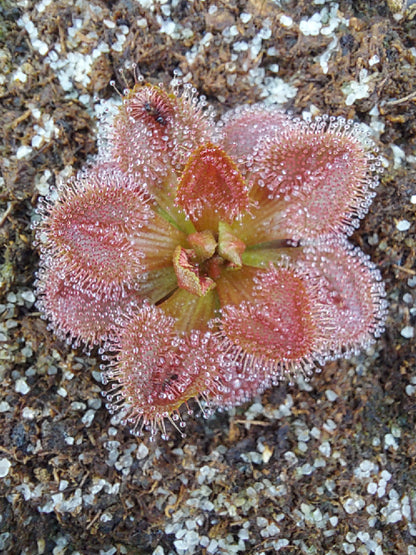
(155, 370)
(211, 188)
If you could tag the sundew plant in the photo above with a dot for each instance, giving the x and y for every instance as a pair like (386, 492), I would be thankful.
(209, 260)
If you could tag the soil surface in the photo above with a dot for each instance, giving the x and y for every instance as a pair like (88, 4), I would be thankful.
(325, 467)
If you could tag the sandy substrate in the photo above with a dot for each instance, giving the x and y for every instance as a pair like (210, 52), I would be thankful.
(325, 467)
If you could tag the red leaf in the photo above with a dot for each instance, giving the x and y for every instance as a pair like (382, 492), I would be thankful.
(211, 189)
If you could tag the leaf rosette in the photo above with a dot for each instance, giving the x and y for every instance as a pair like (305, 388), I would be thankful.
(211, 260)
